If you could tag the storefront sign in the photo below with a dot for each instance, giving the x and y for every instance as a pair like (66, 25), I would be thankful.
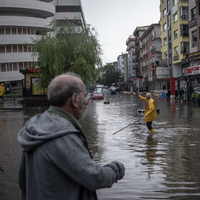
(194, 70)
(194, 56)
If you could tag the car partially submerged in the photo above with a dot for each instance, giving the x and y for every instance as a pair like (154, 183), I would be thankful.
(97, 95)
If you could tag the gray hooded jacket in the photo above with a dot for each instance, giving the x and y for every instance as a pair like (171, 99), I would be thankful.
(55, 161)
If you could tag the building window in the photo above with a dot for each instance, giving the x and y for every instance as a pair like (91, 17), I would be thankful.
(194, 38)
(184, 47)
(175, 17)
(165, 55)
(174, 2)
(2, 49)
(164, 27)
(184, 30)
(15, 66)
(14, 31)
(165, 41)
(193, 13)
(13, 84)
(184, 13)
(3, 67)
(164, 12)
(9, 67)
(1, 31)
(176, 50)
(175, 34)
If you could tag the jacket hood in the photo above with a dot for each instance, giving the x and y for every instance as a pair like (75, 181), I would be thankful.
(41, 128)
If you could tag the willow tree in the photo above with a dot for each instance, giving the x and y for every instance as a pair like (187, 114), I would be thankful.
(66, 47)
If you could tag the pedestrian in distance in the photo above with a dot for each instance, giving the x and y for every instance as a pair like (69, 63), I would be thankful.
(181, 93)
(55, 162)
(2, 91)
(150, 112)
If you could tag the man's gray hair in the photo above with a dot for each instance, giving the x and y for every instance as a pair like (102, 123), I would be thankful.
(148, 94)
(61, 89)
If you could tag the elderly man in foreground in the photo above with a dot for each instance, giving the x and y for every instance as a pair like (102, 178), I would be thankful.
(150, 112)
(56, 163)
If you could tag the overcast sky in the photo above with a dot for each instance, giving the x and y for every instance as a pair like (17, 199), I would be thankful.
(115, 21)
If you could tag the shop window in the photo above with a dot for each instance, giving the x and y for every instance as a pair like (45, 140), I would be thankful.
(13, 84)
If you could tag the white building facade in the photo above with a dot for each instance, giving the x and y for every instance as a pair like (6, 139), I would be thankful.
(20, 21)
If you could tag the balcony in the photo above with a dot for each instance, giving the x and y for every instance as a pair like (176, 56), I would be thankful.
(152, 50)
(192, 23)
(185, 51)
(184, 17)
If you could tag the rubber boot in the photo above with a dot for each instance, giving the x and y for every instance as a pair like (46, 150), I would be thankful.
(153, 131)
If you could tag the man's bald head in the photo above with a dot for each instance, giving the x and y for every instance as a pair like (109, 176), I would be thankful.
(62, 87)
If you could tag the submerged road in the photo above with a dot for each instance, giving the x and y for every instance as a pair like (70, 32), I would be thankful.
(163, 166)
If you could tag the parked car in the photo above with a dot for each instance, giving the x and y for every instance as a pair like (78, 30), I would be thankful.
(97, 95)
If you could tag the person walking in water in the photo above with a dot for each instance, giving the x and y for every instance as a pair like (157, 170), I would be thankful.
(150, 112)
(56, 163)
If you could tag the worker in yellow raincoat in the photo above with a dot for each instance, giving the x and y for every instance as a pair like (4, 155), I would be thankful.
(150, 112)
(2, 90)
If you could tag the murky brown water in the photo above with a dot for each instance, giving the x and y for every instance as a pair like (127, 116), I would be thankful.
(163, 166)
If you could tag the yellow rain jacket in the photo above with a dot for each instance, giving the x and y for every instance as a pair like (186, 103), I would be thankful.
(2, 89)
(150, 112)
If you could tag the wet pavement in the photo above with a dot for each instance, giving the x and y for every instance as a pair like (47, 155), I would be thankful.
(163, 166)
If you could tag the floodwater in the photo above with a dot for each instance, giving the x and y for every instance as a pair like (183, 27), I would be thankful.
(163, 166)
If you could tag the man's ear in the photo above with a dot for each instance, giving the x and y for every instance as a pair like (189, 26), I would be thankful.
(75, 100)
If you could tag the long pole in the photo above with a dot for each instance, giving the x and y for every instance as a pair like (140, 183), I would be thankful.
(127, 126)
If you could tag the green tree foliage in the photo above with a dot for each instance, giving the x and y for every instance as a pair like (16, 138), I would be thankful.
(66, 47)
(109, 75)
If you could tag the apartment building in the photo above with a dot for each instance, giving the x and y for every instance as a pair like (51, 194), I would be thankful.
(20, 22)
(138, 47)
(155, 76)
(175, 39)
(122, 66)
(192, 73)
(70, 9)
(130, 43)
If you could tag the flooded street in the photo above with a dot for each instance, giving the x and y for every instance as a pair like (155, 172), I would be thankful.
(163, 166)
